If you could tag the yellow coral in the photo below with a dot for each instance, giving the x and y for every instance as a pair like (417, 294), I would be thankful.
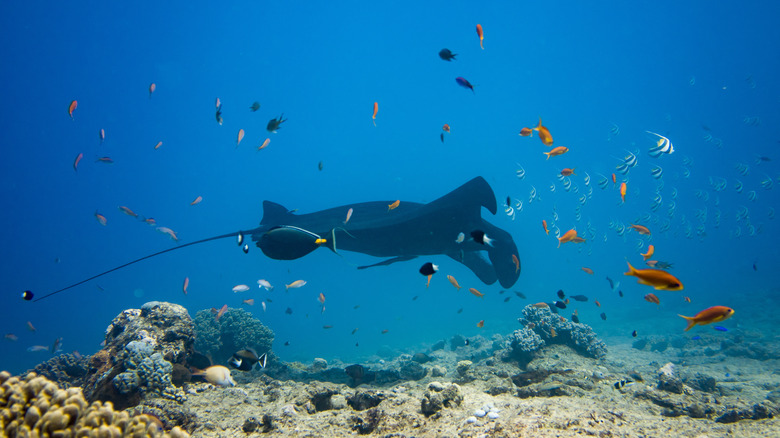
(37, 407)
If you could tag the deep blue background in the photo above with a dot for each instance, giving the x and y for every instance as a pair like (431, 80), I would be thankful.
(658, 66)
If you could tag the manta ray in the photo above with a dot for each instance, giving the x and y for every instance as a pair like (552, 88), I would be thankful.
(398, 234)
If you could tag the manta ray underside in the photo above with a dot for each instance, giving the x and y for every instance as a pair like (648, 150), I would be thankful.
(403, 233)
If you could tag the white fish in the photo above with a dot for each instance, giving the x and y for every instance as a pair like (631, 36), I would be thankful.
(664, 146)
(263, 304)
(219, 375)
(35, 348)
(264, 284)
(349, 215)
(461, 237)
(240, 288)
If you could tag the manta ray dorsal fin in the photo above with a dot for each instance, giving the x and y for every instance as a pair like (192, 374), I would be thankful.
(275, 214)
(469, 197)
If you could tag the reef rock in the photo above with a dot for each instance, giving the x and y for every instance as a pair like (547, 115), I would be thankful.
(553, 329)
(439, 396)
(142, 347)
(236, 329)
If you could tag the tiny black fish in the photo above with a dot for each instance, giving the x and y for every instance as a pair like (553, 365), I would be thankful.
(559, 304)
(579, 298)
(246, 248)
(447, 55)
(286, 343)
(441, 136)
(620, 292)
(320, 165)
(274, 124)
(562, 295)
(501, 292)
(575, 318)
(288, 311)
(466, 343)
(414, 298)
(633, 334)
(428, 269)
(508, 201)
(611, 283)
(27, 295)
(506, 300)
(755, 268)
(255, 106)
(621, 383)
(460, 310)
(520, 294)
(603, 316)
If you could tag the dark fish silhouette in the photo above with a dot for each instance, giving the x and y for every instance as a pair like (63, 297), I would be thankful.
(373, 230)
(464, 83)
(274, 124)
(447, 55)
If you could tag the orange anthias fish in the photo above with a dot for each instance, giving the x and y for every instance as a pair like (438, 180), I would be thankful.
(541, 305)
(623, 191)
(652, 299)
(197, 200)
(71, 108)
(376, 110)
(708, 316)
(169, 232)
(221, 312)
(185, 285)
(544, 225)
(240, 137)
(152, 87)
(349, 215)
(567, 172)
(481, 323)
(76, 162)
(101, 219)
(476, 293)
(249, 301)
(102, 135)
(661, 280)
(446, 128)
(560, 150)
(526, 132)
(544, 134)
(568, 236)
(454, 282)
(687, 299)
(641, 229)
(481, 36)
(127, 211)
(614, 179)
(516, 261)
(649, 253)
(30, 327)
(265, 143)
(596, 302)
(295, 284)
(321, 298)
(157, 146)
(587, 270)
(394, 205)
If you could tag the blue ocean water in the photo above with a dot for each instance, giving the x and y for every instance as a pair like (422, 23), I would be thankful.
(599, 75)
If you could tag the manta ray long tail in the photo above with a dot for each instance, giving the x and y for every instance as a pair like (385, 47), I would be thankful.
(138, 260)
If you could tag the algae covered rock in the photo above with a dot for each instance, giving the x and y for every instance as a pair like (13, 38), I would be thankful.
(234, 330)
(553, 329)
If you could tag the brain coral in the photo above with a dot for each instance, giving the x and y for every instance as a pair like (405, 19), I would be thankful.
(234, 330)
(36, 406)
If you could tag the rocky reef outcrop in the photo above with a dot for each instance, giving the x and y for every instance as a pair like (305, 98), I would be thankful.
(236, 329)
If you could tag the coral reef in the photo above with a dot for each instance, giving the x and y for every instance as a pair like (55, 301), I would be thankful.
(143, 347)
(521, 346)
(439, 396)
(65, 370)
(234, 330)
(36, 406)
(554, 329)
